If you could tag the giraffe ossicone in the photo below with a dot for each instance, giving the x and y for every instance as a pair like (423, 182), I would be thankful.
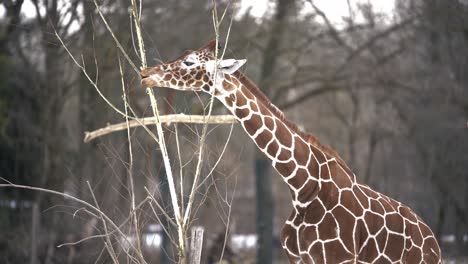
(335, 219)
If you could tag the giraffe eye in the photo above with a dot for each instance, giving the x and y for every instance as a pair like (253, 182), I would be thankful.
(188, 63)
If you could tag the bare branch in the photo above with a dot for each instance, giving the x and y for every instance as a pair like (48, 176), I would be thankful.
(174, 118)
(152, 198)
(71, 197)
(334, 33)
(216, 25)
(108, 242)
(130, 167)
(357, 51)
(117, 42)
(303, 97)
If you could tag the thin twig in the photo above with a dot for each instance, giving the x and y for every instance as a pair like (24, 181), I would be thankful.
(130, 169)
(108, 243)
(65, 195)
(216, 25)
(162, 142)
(226, 234)
(137, 21)
(181, 170)
(94, 84)
(83, 69)
(117, 42)
(100, 236)
(219, 159)
(167, 167)
(162, 226)
(169, 219)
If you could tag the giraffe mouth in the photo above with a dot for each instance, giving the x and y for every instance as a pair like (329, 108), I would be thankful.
(148, 82)
(146, 72)
(147, 78)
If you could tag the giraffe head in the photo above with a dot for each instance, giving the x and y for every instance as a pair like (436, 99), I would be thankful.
(193, 71)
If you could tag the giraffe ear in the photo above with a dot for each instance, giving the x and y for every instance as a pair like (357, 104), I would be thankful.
(231, 65)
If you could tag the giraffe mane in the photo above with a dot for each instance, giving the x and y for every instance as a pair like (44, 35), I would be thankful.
(250, 85)
(209, 46)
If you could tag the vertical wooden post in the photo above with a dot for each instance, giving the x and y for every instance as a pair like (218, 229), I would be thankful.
(196, 245)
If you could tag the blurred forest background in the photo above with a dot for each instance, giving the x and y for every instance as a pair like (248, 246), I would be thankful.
(387, 90)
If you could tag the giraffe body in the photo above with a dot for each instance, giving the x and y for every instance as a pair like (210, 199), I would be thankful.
(335, 219)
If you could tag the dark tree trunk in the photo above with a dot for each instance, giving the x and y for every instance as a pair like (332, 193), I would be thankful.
(441, 218)
(13, 19)
(264, 210)
(265, 216)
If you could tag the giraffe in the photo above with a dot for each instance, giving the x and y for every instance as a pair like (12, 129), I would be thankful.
(335, 219)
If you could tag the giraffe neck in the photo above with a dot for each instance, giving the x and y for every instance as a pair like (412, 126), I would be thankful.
(296, 156)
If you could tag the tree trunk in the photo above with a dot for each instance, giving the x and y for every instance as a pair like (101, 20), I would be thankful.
(34, 233)
(264, 210)
(441, 218)
(263, 184)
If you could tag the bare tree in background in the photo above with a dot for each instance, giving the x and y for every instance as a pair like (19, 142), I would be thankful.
(263, 171)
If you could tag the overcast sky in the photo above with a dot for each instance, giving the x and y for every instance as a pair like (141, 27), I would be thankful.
(335, 9)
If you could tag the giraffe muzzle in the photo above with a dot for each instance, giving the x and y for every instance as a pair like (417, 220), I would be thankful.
(147, 78)
(147, 72)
